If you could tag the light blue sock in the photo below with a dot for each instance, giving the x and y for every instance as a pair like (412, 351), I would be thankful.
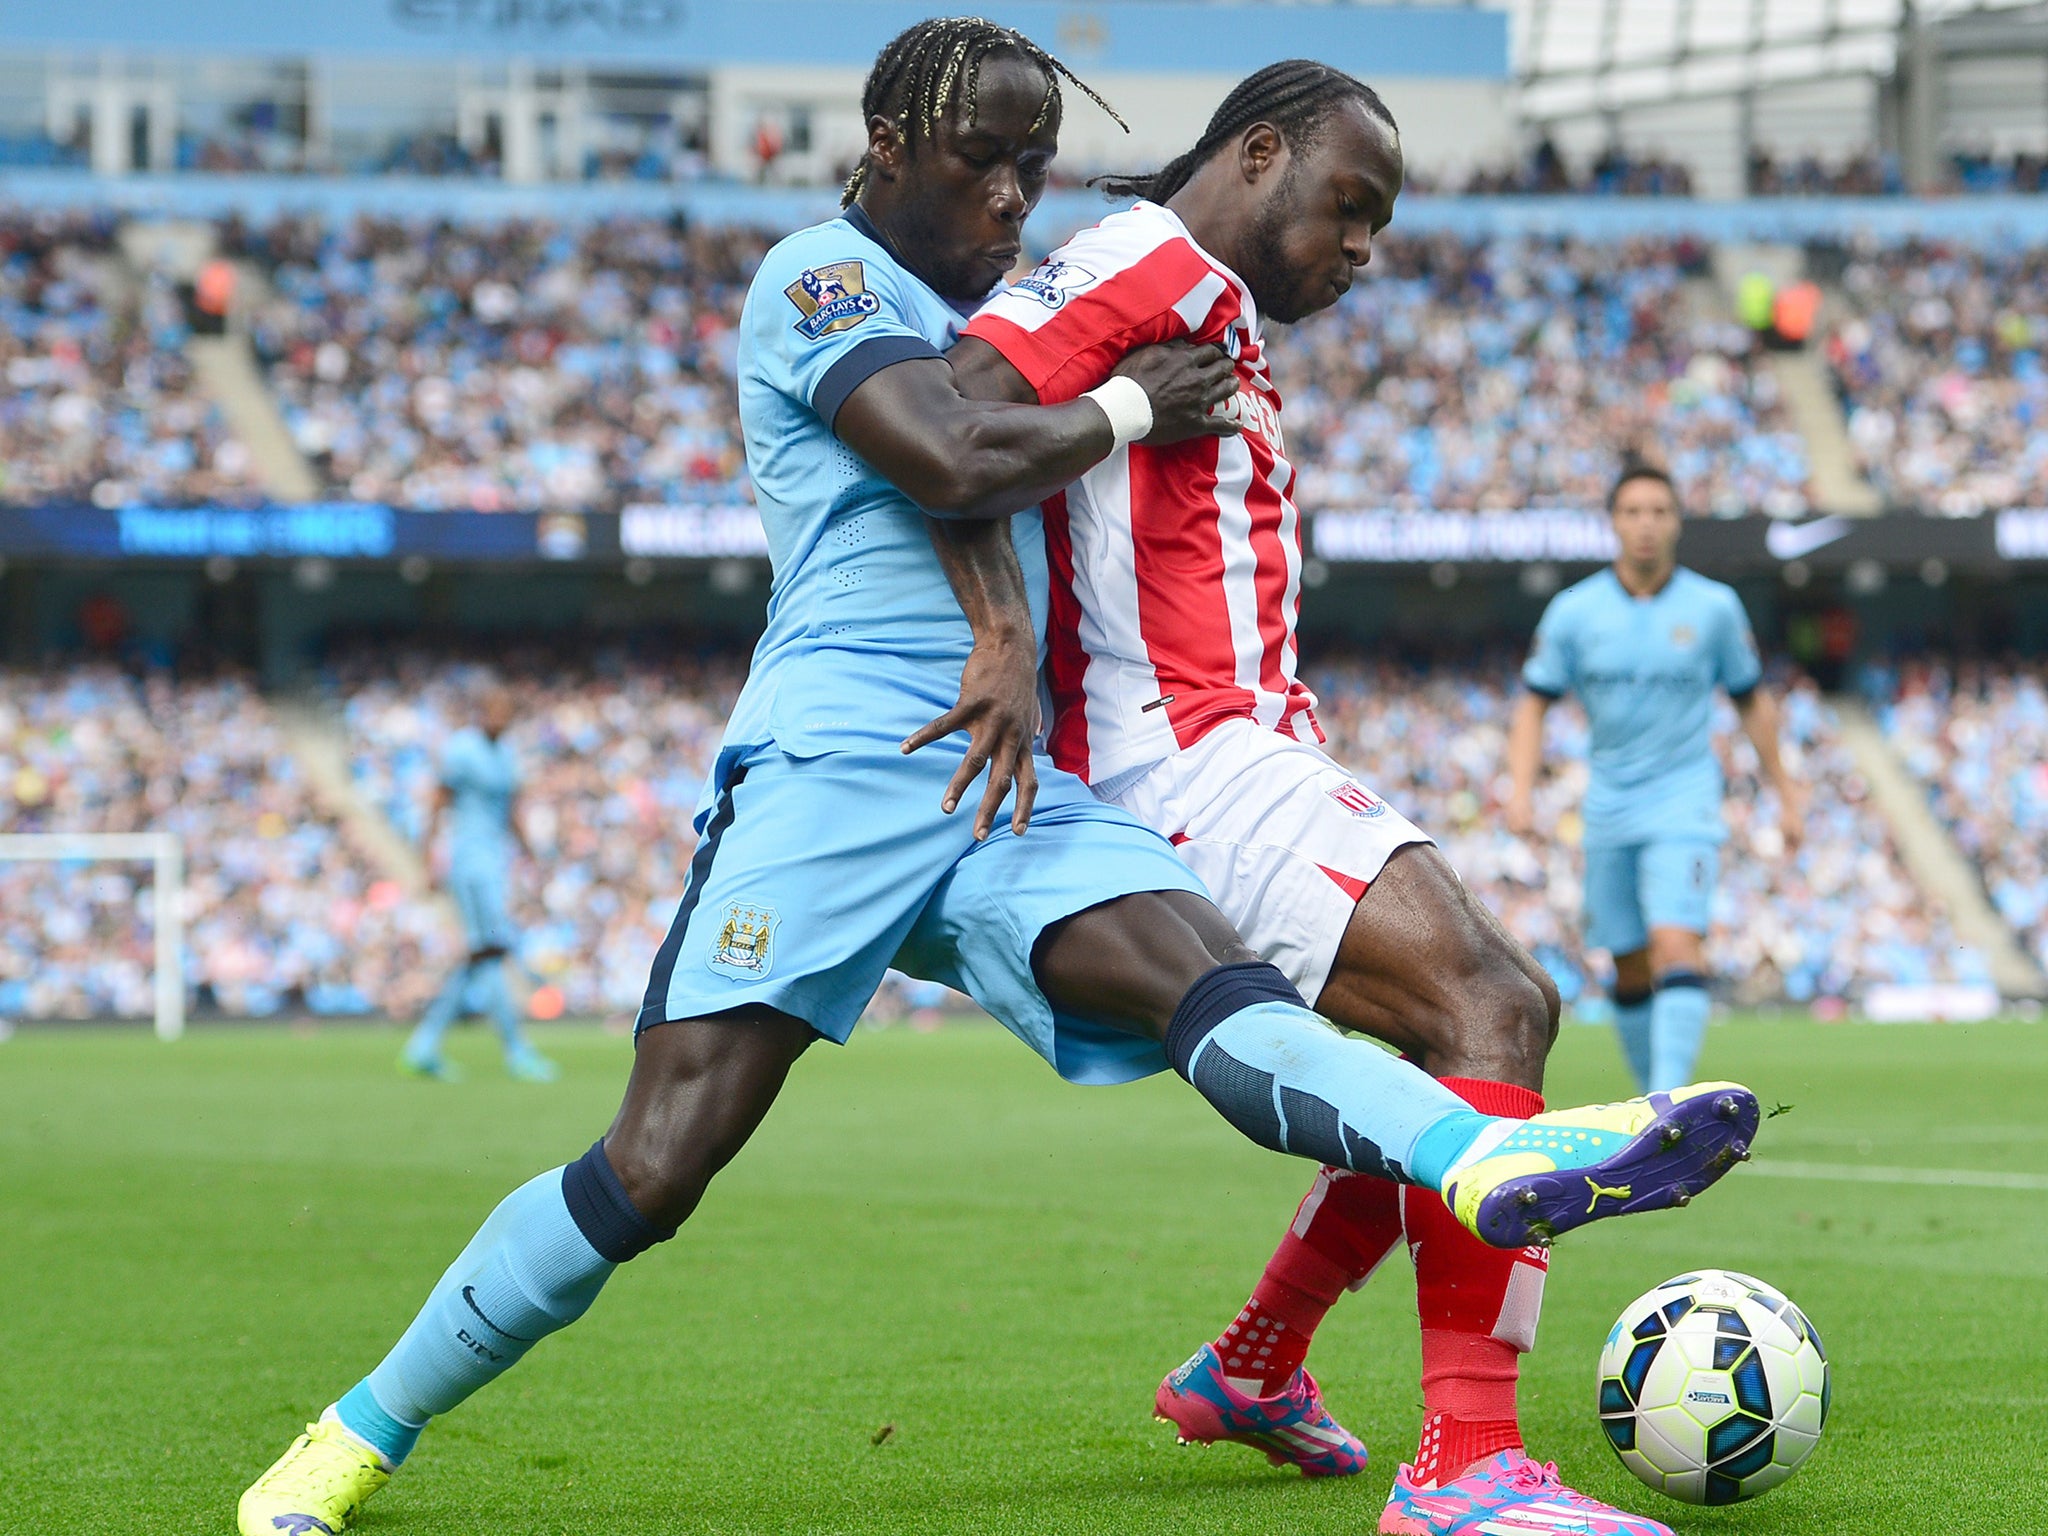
(1632, 1023)
(444, 1010)
(496, 998)
(534, 1267)
(1678, 1027)
(1287, 1080)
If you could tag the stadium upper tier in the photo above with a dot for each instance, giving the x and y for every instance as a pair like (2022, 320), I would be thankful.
(1940, 361)
(98, 401)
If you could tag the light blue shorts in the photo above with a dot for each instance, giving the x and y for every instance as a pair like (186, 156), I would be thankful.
(479, 895)
(1639, 886)
(816, 874)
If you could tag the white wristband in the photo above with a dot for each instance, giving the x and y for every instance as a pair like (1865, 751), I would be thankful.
(1127, 406)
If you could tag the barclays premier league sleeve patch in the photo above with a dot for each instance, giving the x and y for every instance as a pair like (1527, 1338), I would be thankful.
(831, 299)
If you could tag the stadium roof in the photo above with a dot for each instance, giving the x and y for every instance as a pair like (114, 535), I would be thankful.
(1580, 57)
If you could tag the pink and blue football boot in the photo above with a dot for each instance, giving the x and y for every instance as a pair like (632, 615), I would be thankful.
(1502, 1497)
(1292, 1426)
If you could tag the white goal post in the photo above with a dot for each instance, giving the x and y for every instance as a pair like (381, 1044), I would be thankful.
(166, 854)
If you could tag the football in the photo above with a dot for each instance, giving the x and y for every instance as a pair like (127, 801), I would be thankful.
(1713, 1387)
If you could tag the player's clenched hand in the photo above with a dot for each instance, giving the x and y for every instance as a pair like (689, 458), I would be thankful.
(1792, 817)
(1185, 383)
(1520, 814)
(998, 709)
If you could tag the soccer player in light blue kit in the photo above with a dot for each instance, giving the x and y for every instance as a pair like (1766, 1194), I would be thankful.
(1644, 644)
(478, 795)
(827, 851)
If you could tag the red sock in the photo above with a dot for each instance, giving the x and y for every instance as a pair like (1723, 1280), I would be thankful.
(1346, 1225)
(1479, 1306)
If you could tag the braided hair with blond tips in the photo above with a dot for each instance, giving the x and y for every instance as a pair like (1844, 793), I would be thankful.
(925, 70)
(1296, 96)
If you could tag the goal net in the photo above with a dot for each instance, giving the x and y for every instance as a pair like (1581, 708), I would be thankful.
(163, 852)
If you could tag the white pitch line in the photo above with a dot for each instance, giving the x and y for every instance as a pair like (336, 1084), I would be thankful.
(1857, 1173)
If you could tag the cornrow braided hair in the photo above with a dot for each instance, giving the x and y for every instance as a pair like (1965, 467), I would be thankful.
(924, 70)
(1296, 96)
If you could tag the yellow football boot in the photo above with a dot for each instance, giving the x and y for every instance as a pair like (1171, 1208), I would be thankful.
(314, 1489)
(1525, 1181)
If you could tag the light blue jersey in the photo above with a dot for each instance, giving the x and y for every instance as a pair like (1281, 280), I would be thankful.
(824, 857)
(482, 780)
(1646, 669)
(864, 638)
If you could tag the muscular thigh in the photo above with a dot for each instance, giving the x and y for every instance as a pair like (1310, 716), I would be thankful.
(1421, 955)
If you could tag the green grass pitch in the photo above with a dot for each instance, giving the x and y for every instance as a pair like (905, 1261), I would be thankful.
(201, 1244)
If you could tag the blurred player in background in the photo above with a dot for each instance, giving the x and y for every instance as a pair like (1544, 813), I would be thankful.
(825, 853)
(1644, 644)
(1172, 670)
(478, 797)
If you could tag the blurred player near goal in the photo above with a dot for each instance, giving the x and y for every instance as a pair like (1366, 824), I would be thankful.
(1644, 644)
(478, 796)
(827, 852)
(1172, 674)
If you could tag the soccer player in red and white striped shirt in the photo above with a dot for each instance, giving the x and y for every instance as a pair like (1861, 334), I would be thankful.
(1175, 692)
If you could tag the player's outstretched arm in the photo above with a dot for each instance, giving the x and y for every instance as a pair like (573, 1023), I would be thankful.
(1525, 755)
(1758, 711)
(964, 458)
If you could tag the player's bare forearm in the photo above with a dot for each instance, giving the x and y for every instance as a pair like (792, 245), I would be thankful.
(1525, 756)
(968, 459)
(998, 703)
(1758, 712)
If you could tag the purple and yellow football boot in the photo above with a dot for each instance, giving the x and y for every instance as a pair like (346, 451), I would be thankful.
(1292, 1426)
(1502, 1497)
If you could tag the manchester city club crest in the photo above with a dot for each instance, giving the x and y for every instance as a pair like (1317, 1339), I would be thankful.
(745, 946)
(1682, 636)
(832, 298)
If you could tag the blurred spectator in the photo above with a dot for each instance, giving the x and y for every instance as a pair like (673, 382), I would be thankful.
(282, 913)
(1545, 172)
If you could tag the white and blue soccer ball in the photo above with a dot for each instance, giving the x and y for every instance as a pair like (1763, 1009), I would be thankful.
(1713, 1387)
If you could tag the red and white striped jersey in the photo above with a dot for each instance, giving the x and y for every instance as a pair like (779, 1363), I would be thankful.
(1176, 571)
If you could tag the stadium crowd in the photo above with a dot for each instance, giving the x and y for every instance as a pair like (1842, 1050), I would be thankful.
(98, 402)
(285, 913)
(613, 753)
(540, 366)
(1507, 373)
(1940, 366)
(282, 912)
(1977, 738)
(1839, 916)
(517, 366)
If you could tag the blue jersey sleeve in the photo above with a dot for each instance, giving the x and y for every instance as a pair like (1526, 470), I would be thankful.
(832, 312)
(1735, 658)
(457, 764)
(1548, 671)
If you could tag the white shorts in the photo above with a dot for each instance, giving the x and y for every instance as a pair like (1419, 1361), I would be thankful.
(1284, 838)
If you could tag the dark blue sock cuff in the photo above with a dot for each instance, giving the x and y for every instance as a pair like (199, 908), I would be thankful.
(1681, 979)
(1634, 999)
(1215, 996)
(598, 1205)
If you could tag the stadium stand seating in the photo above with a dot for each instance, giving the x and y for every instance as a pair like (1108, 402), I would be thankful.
(1939, 363)
(96, 399)
(518, 366)
(1977, 738)
(1508, 373)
